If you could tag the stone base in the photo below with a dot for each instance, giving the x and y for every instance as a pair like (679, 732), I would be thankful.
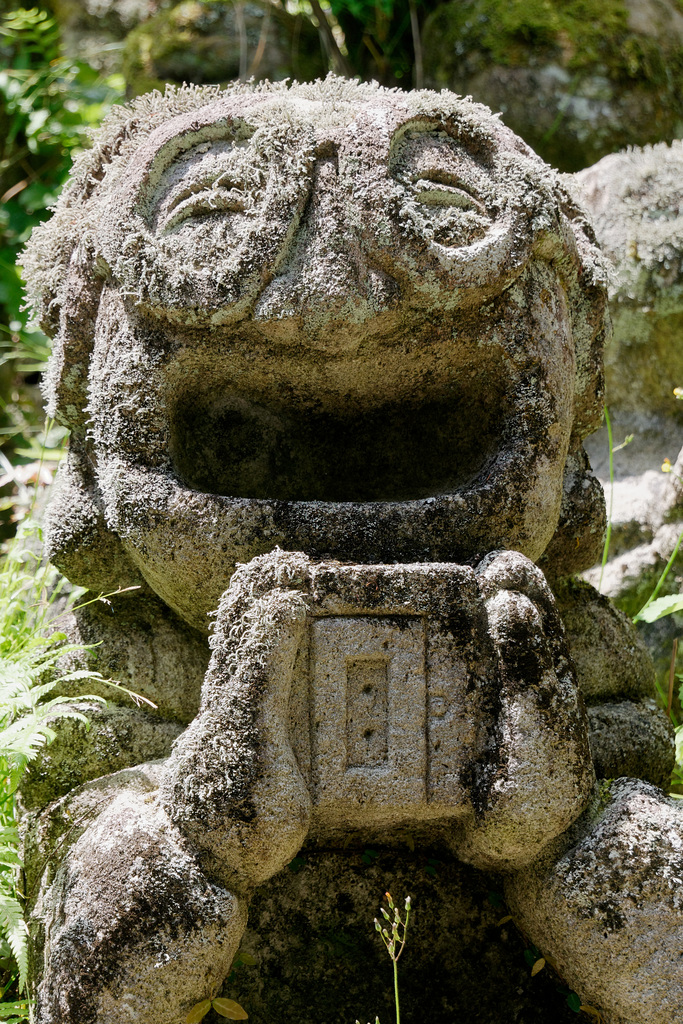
(320, 961)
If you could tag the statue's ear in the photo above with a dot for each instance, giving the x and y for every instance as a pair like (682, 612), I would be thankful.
(577, 542)
(585, 282)
(77, 538)
(66, 378)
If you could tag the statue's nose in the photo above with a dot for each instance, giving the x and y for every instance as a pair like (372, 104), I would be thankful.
(324, 271)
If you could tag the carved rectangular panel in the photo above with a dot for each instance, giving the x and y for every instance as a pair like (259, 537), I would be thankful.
(369, 696)
(367, 706)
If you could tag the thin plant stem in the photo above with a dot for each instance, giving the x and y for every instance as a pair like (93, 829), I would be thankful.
(672, 676)
(665, 573)
(398, 1011)
(417, 46)
(608, 534)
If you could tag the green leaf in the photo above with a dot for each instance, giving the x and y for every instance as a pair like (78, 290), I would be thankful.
(659, 608)
(14, 929)
(573, 1002)
(198, 1012)
(14, 1010)
(230, 1009)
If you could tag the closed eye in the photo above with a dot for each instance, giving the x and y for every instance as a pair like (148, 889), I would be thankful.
(440, 189)
(200, 198)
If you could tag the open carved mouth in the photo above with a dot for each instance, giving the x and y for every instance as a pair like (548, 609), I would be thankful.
(245, 449)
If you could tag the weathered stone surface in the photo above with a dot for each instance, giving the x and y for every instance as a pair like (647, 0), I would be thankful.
(115, 738)
(576, 81)
(389, 652)
(635, 203)
(219, 41)
(632, 738)
(439, 695)
(317, 954)
(214, 334)
(137, 640)
(610, 659)
(124, 918)
(629, 735)
(642, 498)
(606, 905)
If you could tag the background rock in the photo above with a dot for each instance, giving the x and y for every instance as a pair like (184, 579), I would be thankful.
(198, 42)
(635, 200)
(576, 81)
(94, 30)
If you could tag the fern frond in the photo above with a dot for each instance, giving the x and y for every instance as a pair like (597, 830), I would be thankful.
(14, 1013)
(15, 931)
(9, 857)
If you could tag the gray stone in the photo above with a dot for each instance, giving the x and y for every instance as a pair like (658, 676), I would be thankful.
(113, 738)
(606, 905)
(317, 955)
(127, 916)
(393, 652)
(628, 734)
(635, 202)
(220, 41)
(417, 716)
(94, 30)
(575, 81)
(634, 199)
(610, 659)
(136, 640)
(632, 738)
(642, 498)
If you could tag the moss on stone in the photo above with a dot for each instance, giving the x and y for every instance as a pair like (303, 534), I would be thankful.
(576, 79)
(580, 33)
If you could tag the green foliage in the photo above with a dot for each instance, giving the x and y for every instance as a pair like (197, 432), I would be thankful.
(663, 606)
(223, 1007)
(29, 592)
(33, 595)
(378, 37)
(48, 104)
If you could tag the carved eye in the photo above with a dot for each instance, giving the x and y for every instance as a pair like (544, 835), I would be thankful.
(442, 188)
(201, 198)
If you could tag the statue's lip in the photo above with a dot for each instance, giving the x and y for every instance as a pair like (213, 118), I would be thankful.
(188, 546)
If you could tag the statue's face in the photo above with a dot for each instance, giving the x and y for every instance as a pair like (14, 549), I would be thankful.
(280, 210)
(330, 326)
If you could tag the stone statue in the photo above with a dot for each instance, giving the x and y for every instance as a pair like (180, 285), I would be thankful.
(328, 354)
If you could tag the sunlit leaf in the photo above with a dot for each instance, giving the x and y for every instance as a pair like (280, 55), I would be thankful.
(538, 966)
(246, 958)
(504, 920)
(198, 1012)
(659, 608)
(230, 1009)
